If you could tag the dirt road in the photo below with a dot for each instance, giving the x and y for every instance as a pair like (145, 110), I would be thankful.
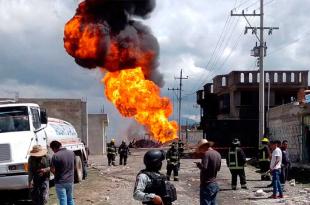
(114, 185)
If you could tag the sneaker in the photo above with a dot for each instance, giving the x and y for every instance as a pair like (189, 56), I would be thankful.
(282, 196)
(269, 185)
(234, 188)
(244, 187)
(176, 179)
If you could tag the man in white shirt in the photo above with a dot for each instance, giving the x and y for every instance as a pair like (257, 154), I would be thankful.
(275, 169)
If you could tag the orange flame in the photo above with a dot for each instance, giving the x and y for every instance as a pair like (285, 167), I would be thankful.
(134, 96)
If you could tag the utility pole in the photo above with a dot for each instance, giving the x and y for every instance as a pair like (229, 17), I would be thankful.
(179, 98)
(260, 53)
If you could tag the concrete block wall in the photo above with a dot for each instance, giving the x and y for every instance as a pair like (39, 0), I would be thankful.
(97, 124)
(285, 124)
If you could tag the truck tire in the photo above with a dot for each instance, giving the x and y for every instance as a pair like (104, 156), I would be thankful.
(78, 169)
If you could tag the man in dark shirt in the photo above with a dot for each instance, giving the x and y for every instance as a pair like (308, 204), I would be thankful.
(285, 162)
(63, 168)
(209, 166)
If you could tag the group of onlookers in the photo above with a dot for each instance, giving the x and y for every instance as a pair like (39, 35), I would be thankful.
(41, 165)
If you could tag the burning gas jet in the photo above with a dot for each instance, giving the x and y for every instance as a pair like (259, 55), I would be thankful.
(103, 34)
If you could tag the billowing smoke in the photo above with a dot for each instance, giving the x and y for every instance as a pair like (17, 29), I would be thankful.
(109, 37)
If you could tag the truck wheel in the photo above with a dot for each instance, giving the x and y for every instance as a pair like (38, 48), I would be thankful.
(78, 170)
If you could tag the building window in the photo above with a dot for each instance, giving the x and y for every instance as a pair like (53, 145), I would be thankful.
(223, 81)
(211, 89)
(258, 78)
(241, 77)
(275, 78)
(250, 78)
(292, 77)
(300, 77)
(284, 77)
(267, 77)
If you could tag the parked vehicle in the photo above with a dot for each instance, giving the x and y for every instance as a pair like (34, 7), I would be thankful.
(23, 125)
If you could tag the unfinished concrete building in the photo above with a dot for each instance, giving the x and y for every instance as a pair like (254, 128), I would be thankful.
(230, 105)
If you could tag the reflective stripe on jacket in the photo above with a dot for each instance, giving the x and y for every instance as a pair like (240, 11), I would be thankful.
(233, 159)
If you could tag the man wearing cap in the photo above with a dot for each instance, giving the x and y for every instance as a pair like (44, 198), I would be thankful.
(235, 162)
(209, 166)
(38, 175)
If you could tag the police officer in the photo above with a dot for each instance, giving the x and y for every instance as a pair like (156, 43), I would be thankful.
(180, 147)
(111, 152)
(264, 159)
(151, 186)
(173, 162)
(235, 162)
(123, 152)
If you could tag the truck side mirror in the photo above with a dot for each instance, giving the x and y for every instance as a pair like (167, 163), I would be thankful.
(43, 116)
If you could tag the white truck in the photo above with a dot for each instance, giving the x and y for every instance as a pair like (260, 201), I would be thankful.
(23, 125)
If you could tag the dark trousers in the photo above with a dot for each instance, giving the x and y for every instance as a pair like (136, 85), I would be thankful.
(174, 168)
(122, 157)
(264, 166)
(284, 174)
(208, 193)
(39, 193)
(234, 174)
(111, 159)
(276, 182)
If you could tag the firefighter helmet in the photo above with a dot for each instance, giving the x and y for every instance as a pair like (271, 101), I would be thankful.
(265, 139)
(236, 142)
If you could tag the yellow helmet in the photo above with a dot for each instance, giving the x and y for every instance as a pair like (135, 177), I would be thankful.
(112, 140)
(265, 140)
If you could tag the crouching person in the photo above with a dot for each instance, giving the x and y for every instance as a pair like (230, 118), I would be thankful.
(38, 175)
(151, 186)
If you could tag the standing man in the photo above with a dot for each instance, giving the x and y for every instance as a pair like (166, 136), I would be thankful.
(173, 162)
(264, 159)
(63, 169)
(209, 166)
(111, 153)
(235, 162)
(180, 147)
(285, 162)
(151, 186)
(123, 152)
(39, 175)
(275, 169)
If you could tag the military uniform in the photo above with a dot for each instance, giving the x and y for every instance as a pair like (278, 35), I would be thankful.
(40, 182)
(173, 163)
(111, 153)
(123, 152)
(235, 161)
(151, 184)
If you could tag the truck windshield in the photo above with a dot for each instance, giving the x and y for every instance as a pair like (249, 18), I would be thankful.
(14, 119)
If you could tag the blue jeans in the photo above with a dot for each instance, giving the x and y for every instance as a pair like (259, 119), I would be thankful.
(65, 193)
(276, 182)
(208, 193)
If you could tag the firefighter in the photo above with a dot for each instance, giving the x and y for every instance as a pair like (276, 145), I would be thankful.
(123, 152)
(180, 147)
(111, 150)
(151, 186)
(264, 159)
(236, 162)
(173, 162)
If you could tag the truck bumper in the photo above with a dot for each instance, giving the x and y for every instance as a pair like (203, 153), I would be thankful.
(14, 182)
